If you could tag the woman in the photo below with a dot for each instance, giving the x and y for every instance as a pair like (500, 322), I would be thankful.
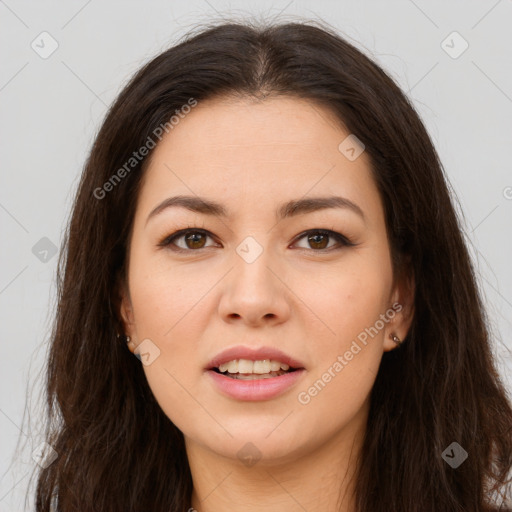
(264, 223)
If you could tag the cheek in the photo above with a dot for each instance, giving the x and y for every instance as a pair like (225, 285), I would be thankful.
(346, 362)
(165, 296)
(351, 298)
(168, 306)
(172, 308)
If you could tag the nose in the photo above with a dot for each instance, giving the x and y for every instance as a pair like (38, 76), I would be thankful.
(255, 293)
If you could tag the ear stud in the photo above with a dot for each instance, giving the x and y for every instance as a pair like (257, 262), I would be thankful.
(395, 339)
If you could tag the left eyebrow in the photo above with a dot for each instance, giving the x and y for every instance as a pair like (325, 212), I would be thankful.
(288, 209)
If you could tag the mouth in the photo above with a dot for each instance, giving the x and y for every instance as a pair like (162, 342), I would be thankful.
(245, 369)
(244, 363)
(254, 374)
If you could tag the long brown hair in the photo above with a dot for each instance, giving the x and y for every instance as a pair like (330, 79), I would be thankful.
(118, 451)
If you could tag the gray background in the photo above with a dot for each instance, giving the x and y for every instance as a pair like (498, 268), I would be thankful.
(51, 108)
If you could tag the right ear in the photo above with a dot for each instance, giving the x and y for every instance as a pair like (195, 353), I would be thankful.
(126, 313)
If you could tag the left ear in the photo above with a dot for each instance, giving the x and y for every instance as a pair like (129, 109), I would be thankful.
(402, 303)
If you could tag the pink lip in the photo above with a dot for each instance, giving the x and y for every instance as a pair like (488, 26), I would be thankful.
(257, 389)
(240, 352)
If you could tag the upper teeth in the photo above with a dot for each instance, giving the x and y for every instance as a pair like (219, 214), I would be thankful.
(248, 366)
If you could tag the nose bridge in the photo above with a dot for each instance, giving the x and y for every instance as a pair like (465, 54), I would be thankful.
(253, 291)
(253, 262)
(254, 257)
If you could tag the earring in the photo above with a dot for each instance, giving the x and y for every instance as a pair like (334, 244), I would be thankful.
(130, 344)
(127, 340)
(395, 339)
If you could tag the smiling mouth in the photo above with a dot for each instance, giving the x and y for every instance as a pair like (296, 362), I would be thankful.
(245, 369)
(255, 376)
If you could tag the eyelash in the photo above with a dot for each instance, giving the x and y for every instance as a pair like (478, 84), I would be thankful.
(169, 240)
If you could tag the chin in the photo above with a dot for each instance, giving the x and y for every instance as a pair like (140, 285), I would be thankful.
(260, 443)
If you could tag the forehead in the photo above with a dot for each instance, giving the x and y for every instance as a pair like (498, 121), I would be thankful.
(275, 128)
(251, 150)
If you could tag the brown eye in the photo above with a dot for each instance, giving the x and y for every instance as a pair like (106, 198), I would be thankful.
(193, 239)
(318, 240)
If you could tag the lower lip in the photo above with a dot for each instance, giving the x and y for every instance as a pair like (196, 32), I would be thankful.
(256, 389)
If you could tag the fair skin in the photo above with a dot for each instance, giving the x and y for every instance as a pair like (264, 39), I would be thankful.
(310, 300)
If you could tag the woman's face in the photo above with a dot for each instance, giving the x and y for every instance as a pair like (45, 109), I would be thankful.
(258, 274)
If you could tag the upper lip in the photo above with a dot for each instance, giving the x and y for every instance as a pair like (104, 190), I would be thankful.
(253, 354)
